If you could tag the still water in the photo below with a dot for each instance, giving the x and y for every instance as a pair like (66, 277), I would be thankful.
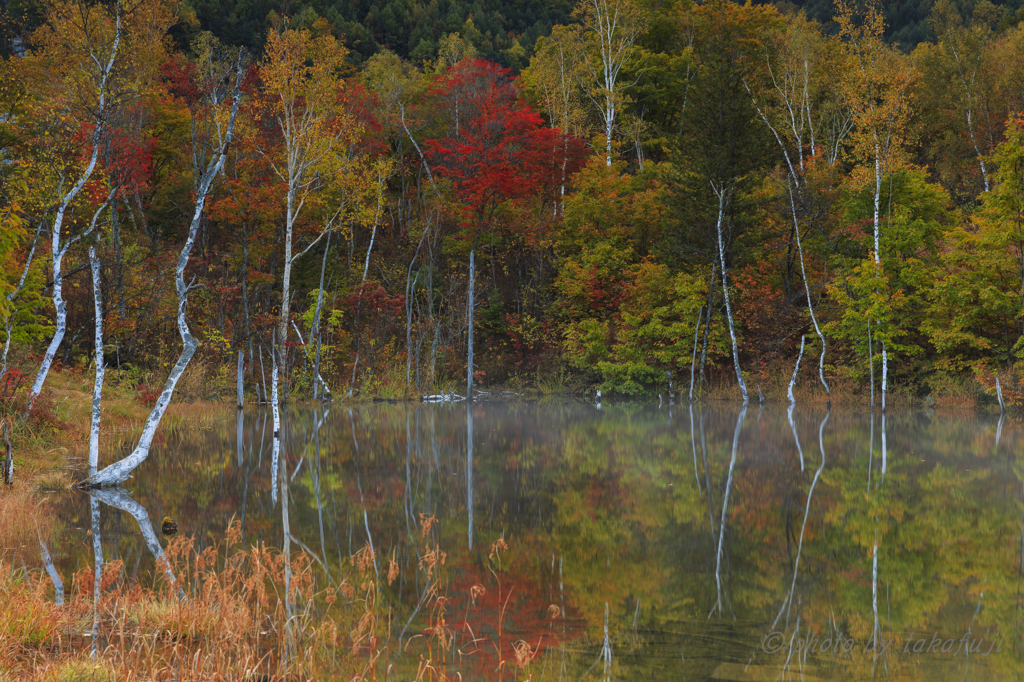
(643, 542)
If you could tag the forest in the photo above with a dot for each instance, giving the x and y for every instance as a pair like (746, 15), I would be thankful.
(620, 195)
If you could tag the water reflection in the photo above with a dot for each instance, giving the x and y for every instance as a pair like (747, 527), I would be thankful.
(630, 555)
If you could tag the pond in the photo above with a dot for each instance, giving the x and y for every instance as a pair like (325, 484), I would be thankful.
(643, 542)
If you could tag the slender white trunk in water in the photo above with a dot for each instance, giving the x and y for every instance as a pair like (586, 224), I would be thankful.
(885, 373)
(807, 512)
(722, 198)
(871, 367)
(120, 499)
(693, 360)
(796, 370)
(97, 389)
(725, 506)
(469, 316)
(276, 451)
(119, 471)
(469, 468)
(58, 250)
(97, 579)
(792, 425)
(999, 395)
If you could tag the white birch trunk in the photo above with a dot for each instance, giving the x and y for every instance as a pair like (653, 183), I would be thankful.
(240, 380)
(469, 317)
(796, 437)
(276, 452)
(1002, 405)
(97, 390)
(725, 290)
(58, 250)
(885, 374)
(796, 371)
(693, 360)
(120, 471)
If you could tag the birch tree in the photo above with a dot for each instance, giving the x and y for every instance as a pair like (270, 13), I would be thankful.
(809, 119)
(878, 88)
(301, 76)
(611, 29)
(89, 52)
(119, 471)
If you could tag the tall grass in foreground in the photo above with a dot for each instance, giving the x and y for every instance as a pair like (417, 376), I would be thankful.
(232, 622)
(229, 614)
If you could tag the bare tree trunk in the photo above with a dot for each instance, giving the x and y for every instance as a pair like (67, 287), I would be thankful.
(245, 295)
(722, 198)
(693, 360)
(119, 471)
(318, 381)
(469, 317)
(274, 406)
(999, 395)
(707, 322)
(871, 367)
(885, 373)
(240, 379)
(97, 391)
(796, 370)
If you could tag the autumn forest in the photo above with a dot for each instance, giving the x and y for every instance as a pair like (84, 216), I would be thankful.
(634, 196)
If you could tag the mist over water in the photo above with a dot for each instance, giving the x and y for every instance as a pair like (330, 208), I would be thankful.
(643, 542)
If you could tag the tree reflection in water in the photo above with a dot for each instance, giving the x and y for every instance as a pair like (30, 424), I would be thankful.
(613, 507)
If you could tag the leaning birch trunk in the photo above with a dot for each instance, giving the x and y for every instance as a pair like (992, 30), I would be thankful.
(999, 395)
(97, 389)
(119, 471)
(58, 251)
(469, 317)
(796, 370)
(725, 291)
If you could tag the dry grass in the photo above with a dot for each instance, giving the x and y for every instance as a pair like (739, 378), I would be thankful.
(232, 614)
(24, 517)
(223, 618)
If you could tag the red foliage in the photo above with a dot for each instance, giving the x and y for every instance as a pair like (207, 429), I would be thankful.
(147, 395)
(498, 148)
